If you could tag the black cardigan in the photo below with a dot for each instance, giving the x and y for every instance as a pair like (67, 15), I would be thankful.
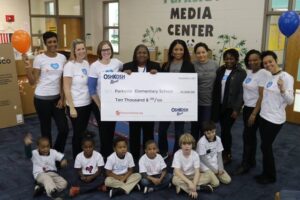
(134, 67)
(233, 94)
(187, 67)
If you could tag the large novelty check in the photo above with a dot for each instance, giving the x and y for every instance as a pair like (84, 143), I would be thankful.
(149, 97)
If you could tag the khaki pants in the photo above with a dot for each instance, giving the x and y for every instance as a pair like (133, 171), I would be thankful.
(216, 179)
(203, 180)
(130, 183)
(51, 181)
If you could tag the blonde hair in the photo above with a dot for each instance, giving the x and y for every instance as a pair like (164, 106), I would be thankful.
(187, 138)
(73, 47)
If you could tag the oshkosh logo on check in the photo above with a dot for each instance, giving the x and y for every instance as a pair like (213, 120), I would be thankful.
(114, 77)
(179, 111)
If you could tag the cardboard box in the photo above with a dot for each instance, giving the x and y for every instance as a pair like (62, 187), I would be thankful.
(26, 94)
(11, 113)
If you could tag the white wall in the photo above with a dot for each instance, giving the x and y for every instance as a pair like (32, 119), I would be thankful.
(20, 9)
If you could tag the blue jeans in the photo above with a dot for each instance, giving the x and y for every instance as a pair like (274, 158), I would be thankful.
(164, 184)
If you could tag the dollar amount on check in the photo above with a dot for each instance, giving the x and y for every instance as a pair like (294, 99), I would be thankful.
(149, 97)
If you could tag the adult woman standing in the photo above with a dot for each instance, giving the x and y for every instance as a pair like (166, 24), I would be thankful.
(228, 97)
(46, 74)
(278, 93)
(179, 61)
(140, 63)
(77, 93)
(253, 87)
(105, 63)
(206, 70)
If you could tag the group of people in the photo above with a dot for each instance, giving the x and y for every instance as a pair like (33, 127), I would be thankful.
(263, 90)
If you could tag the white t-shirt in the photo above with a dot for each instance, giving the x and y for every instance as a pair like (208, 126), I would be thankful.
(251, 84)
(79, 88)
(274, 103)
(43, 163)
(51, 72)
(210, 150)
(97, 68)
(186, 164)
(117, 165)
(142, 69)
(223, 82)
(152, 166)
(90, 165)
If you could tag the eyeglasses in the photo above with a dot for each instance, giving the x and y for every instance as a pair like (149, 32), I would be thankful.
(105, 50)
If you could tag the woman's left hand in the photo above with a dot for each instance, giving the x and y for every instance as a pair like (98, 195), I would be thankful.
(234, 114)
(251, 120)
(60, 103)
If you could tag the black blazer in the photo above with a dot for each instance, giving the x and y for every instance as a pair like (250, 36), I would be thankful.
(134, 67)
(187, 67)
(233, 94)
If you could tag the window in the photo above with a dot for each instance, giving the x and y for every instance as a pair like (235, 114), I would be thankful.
(274, 39)
(111, 23)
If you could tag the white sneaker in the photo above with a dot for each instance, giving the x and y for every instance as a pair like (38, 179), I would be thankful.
(150, 189)
(145, 190)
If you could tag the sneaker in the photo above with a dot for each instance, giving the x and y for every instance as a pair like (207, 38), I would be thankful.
(38, 190)
(241, 170)
(115, 192)
(137, 187)
(74, 191)
(165, 155)
(145, 190)
(178, 189)
(150, 189)
(206, 188)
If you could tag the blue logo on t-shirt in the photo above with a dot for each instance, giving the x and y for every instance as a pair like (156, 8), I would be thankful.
(109, 70)
(54, 65)
(84, 71)
(248, 80)
(269, 84)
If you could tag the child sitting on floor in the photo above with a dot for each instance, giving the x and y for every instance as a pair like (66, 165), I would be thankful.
(119, 170)
(44, 168)
(89, 164)
(186, 164)
(210, 150)
(153, 169)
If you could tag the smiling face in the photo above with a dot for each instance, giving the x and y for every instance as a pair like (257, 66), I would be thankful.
(106, 52)
(51, 44)
(210, 135)
(142, 56)
(202, 54)
(178, 52)
(270, 64)
(230, 61)
(254, 62)
(80, 51)
(44, 147)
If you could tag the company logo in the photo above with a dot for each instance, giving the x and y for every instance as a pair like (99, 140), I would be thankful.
(114, 78)
(54, 65)
(179, 111)
(269, 84)
(248, 80)
(84, 71)
(4, 60)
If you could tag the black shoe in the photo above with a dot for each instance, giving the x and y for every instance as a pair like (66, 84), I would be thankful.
(206, 188)
(115, 192)
(260, 176)
(137, 187)
(241, 170)
(38, 190)
(265, 180)
(54, 194)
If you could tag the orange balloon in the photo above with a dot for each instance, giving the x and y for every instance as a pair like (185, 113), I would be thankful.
(21, 41)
